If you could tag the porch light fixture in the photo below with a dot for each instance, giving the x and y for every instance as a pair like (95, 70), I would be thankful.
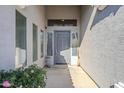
(63, 20)
(22, 6)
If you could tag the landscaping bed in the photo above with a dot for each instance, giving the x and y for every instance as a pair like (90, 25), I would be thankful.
(30, 77)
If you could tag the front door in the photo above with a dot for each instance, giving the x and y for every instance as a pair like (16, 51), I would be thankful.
(62, 47)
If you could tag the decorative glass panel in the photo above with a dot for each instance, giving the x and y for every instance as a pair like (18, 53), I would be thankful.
(62, 22)
(75, 39)
(35, 57)
(49, 45)
(42, 41)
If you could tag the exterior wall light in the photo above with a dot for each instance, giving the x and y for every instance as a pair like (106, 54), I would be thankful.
(22, 6)
(62, 20)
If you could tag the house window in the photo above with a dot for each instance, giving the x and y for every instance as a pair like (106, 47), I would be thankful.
(21, 51)
(35, 57)
(62, 22)
(49, 45)
(42, 41)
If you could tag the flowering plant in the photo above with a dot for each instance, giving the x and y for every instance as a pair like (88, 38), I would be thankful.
(30, 77)
(6, 84)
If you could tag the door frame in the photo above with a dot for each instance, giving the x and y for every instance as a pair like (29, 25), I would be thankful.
(54, 43)
(50, 59)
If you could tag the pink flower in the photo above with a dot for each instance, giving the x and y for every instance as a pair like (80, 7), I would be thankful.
(6, 84)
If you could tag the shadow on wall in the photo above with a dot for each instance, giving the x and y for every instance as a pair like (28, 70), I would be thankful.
(100, 15)
(109, 10)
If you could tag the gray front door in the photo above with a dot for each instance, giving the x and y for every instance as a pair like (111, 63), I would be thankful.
(62, 47)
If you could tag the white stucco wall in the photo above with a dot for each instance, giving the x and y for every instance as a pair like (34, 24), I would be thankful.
(61, 11)
(102, 48)
(33, 14)
(7, 37)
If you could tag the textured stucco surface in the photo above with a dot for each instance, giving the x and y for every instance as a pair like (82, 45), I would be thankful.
(102, 49)
(7, 37)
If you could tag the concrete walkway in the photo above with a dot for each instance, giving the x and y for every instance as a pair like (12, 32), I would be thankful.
(80, 79)
(58, 77)
(64, 76)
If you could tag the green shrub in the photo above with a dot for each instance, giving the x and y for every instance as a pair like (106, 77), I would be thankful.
(31, 77)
